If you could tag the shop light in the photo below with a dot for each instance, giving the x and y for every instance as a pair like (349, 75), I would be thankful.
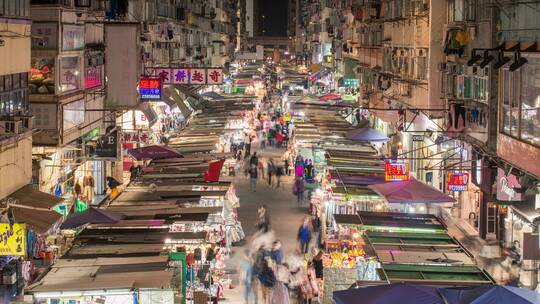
(474, 58)
(487, 59)
(412, 209)
(518, 62)
(501, 60)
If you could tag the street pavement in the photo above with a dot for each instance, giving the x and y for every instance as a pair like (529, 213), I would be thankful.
(285, 216)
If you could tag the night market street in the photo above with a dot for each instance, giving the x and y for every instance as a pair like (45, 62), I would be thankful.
(269, 152)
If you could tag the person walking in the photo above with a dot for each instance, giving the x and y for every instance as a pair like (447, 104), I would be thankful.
(280, 294)
(253, 174)
(263, 219)
(304, 235)
(254, 159)
(299, 188)
(277, 253)
(270, 171)
(279, 173)
(247, 278)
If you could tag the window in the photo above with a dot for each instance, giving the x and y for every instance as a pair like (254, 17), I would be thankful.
(521, 102)
(13, 94)
(462, 10)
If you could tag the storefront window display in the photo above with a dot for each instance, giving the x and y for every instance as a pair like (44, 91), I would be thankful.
(70, 73)
(42, 75)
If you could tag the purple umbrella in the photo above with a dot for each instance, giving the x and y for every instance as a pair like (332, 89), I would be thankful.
(411, 191)
(153, 152)
(367, 134)
(391, 293)
(91, 216)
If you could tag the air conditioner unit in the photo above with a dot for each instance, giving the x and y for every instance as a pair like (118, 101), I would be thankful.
(10, 127)
(27, 121)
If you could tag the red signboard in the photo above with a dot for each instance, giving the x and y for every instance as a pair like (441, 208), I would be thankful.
(396, 171)
(150, 88)
(458, 181)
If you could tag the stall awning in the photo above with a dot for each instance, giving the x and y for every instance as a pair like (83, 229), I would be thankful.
(30, 197)
(33, 208)
(411, 191)
(392, 293)
(153, 152)
(173, 92)
(149, 112)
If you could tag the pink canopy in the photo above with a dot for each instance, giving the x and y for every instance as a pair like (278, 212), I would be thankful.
(411, 191)
(153, 152)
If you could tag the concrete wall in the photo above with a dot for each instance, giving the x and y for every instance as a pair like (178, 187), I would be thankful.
(250, 17)
(15, 53)
(15, 163)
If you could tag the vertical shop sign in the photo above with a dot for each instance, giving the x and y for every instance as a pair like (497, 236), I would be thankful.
(401, 120)
(13, 240)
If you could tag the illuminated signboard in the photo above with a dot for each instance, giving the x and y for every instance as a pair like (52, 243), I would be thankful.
(150, 88)
(458, 181)
(396, 171)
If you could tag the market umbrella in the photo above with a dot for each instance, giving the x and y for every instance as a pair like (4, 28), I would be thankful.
(91, 216)
(330, 96)
(367, 134)
(410, 191)
(389, 293)
(492, 294)
(153, 152)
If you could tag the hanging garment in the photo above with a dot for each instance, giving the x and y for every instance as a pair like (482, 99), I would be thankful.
(58, 190)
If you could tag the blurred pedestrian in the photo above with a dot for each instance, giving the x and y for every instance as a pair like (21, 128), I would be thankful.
(263, 219)
(279, 173)
(253, 173)
(309, 287)
(299, 188)
(270, 171)
(280, 294)
(277, 253)
(247, 278)
(254, 160)
(304, 235)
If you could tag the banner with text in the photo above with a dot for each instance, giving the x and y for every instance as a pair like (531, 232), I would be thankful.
(187, 76)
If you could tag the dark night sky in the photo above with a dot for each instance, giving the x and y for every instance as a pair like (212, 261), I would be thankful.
(275, 21)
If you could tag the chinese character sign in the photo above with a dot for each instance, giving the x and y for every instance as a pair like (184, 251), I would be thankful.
(188, 75)
(13, 239)
(396, 171)
(150, 88)
(214, 76)
(458, 181)
(197, 76)
(164, 74)
(180, 76)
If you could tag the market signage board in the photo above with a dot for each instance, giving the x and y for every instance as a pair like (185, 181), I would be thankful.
(187, 75)
(396, 171)
(106, 147)
(506, 185)
(418, 138)
(13, 240)
(150, 88)
(351, 82)
(458, 181)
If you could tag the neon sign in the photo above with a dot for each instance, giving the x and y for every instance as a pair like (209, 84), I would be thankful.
(458, 181)
(396, 171)
(150, 88)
